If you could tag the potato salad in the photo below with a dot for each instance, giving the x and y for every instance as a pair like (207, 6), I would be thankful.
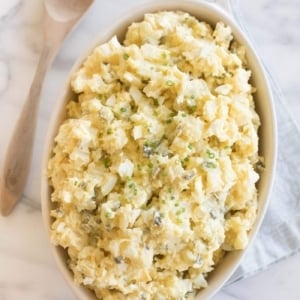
(153, 170)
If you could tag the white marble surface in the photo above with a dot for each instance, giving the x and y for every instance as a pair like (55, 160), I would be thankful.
(27, 269)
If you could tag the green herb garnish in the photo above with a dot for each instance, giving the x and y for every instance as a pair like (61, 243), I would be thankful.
(131, 185)
(164, 55)
(109, 131)
(192, 109)
(210, 154)
(210, 165)
(108, 215)
(107, 162)
(155, 102)
(170, 83)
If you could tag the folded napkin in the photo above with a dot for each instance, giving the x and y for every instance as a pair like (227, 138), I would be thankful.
(279, 235)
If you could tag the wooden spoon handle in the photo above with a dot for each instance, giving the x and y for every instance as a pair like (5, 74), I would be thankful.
(18, 154)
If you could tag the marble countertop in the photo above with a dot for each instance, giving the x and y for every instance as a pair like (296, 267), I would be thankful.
(27, 268)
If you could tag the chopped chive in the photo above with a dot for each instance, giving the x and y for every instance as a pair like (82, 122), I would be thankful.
(210, 154)
(109, 131)
(190, 146)
(155, 102)
(150, 165)
(139, 167)
(154, 144)
(150, 144)
(192, 109)
(107, 162)
(125, 56)
(169, 190)
(210, 165)
(186, 159)
(169, 121)
(100, 96)
(131, 185)
(172, 197)
(75, 182)
(164, 55)
(170, 83)
(178, 212)
(176, 204)
(123, 109)
(108, 215)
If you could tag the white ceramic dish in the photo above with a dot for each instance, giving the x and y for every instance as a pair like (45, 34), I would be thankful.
(264, 106)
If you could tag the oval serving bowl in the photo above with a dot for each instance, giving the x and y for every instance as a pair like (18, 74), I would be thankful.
(267, 132)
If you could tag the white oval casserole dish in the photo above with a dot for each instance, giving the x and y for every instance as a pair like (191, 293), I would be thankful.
(267, 132)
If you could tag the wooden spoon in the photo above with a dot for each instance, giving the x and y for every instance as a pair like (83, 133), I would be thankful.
(60, 17)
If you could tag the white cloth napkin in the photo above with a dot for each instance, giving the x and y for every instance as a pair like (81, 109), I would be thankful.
(279, 235)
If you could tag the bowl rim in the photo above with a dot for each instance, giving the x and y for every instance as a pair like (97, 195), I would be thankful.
(137, 12)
